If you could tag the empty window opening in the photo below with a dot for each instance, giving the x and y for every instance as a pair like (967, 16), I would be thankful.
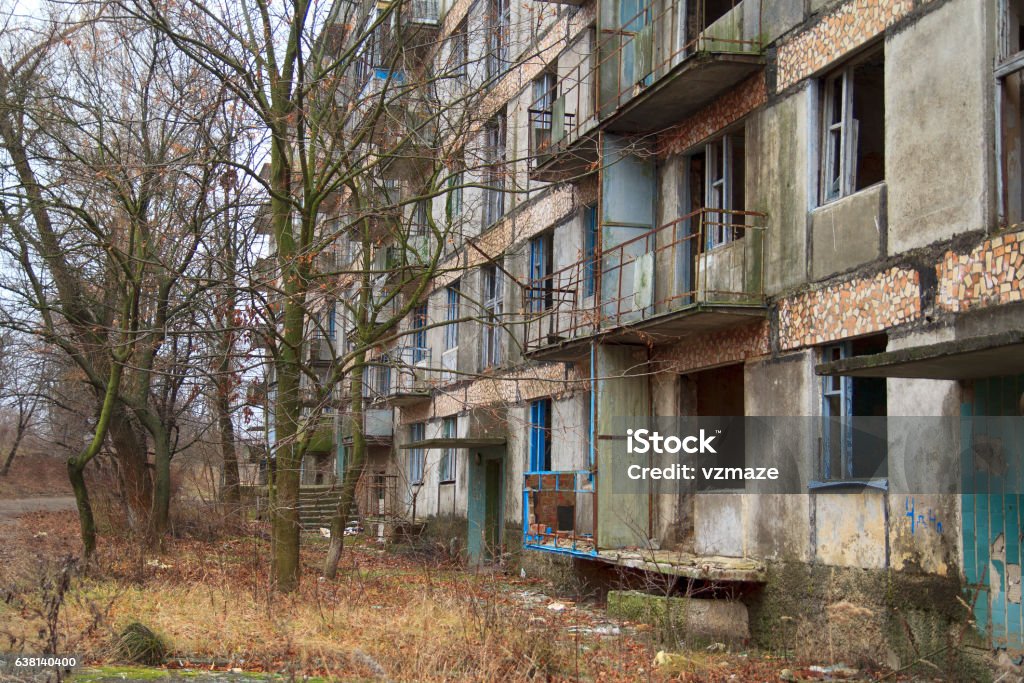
(853, 128)
(854, 443)
(717, 177)
(446, 470)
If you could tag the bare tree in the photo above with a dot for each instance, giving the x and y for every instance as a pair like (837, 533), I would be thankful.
(23, 373)
(110, 138)
(356, 102)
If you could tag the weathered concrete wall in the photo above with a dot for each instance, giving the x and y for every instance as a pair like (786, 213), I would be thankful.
(924, 529)
(937, 119)
(778, 525)
(868, 615)
(848, 232)
(777, 185)
(850, 529)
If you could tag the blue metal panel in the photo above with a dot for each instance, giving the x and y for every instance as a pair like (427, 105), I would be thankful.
(589, 249)
(991, 509)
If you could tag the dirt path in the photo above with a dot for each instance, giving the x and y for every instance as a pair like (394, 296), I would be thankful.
(12, 507)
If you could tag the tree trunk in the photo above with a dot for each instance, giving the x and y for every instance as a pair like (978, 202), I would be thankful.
(230, 495)
(161, 485)
(135, 480)
(18, 436)
(353, 470)
(284, 509)
(76, 465)
(86, 522)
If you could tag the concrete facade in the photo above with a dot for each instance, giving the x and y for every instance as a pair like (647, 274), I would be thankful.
(907, 241)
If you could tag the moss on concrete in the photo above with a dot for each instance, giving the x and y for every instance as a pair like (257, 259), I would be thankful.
(860, 616)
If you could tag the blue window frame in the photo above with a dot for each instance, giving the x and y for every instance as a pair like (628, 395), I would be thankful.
(854, 439)
(540, 272)
(446, 471)
(589, 249)
(417, 432)
(331, 322)
(540, 435)
(451, 330)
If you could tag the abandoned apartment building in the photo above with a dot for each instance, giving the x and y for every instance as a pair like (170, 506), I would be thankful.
(759, 208)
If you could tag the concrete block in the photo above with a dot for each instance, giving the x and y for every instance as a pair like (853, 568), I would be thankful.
(716, 620)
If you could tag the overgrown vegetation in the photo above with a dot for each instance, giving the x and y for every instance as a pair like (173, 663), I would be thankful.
(210, 603)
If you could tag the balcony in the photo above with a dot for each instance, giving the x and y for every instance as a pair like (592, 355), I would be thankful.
(410, 140)
(646, 78)
(385, 209)
(322, 440)
(699, 273)
(406, 380)
(378, 426)
(415, 26)
(558, 511)
(319, 351)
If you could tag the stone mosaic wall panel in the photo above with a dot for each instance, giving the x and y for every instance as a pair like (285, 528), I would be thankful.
(846, 28)
(708, 350)
(990, 274)
(729, 108)
(552, 379)
(850, 308)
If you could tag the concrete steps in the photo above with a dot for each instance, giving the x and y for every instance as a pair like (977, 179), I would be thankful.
(316, 506)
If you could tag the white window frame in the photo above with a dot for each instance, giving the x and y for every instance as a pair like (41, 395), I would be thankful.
(493, 302)
(446, 468)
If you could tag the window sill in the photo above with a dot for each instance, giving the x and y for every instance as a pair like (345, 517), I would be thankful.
(825, 203)
(878, 484)
(446, 482)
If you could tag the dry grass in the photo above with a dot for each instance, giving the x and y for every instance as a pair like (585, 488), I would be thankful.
(385, 617)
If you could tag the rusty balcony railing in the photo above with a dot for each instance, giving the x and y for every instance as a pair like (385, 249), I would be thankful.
(631, 56)
(707, 258)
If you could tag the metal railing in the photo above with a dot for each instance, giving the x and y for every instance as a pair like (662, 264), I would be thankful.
(707, 257)
(625, 66)
(410, 370)
(559, 512)
(421, 12)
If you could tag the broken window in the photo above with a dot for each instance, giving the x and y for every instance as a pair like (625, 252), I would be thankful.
(493, 302)
(456, 181)
(540, 435)
(724, 190)
(718, 396)
(589, 250)
(417, 432)
(854, 443)
(419, 333)
(853, 128)
(494, 171)
(499, 18)
(421, 218)
(446, 470)
(1011, 113)
(544, 92)
(451, 330)
(460, 50)
(541, 294)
